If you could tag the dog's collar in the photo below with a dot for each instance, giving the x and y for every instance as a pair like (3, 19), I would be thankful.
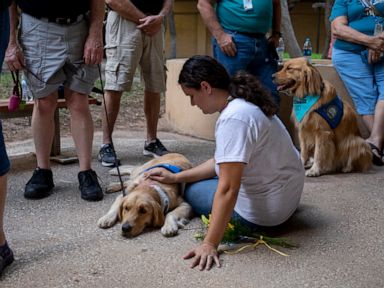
(163, 197)
(301, 106)
(169, 167)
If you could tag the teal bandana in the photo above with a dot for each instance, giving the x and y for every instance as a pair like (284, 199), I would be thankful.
(302, 105)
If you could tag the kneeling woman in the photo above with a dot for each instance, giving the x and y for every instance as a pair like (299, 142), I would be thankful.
(260, 174)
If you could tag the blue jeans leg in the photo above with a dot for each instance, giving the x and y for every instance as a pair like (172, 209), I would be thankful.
(200, 195)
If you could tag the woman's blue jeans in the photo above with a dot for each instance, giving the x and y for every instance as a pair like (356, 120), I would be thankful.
(200, 196)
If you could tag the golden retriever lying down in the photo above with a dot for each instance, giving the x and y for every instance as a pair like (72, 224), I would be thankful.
(149, 203)
(323, 149)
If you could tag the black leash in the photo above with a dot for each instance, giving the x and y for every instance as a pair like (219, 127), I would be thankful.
(113, 146)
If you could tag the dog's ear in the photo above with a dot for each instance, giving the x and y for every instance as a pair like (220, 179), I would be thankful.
(158, 215)
(310, 82)
(315, 81)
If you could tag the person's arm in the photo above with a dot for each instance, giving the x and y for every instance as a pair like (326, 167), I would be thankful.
(126, 9)
(93, 47)
(224, 201)
(276, 23)
(341, 30)
(152, 24)
(14, 54)
(205, 170)
(209, 17)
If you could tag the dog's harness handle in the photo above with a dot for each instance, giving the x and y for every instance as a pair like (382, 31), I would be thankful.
(169, 167)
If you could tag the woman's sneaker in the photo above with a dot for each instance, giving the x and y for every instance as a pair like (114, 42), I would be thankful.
(6, 257)
(107, 156)
(154, 148)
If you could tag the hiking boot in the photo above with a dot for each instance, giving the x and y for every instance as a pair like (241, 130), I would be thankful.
(155, 149)
(6, 257)
(89, 186)
(107, 156)
(40, 185)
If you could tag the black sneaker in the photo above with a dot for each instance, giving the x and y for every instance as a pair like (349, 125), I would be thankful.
(40, 185)
(6, 257)
(107, 156)
(155, 149)
(89, 186)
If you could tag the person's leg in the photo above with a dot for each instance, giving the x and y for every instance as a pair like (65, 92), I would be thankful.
(151, 111)
(6, 254)
(263, 66)
(200, 195)
(109, 113)
(43, 128)
(81, 127)
(359, 79)
(153, 71)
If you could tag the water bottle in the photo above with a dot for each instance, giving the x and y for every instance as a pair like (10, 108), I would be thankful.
(280, 51)
(26, 94)
(307, 50)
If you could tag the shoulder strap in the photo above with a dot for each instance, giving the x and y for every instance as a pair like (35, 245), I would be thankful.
(368, 5)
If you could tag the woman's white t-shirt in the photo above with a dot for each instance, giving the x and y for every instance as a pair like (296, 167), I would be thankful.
(273, 177)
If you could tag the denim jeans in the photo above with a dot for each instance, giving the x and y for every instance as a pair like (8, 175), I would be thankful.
(200, 196)
(253, 55)
(4, 34)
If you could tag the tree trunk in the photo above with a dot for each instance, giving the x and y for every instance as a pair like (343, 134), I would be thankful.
(290, 41)
(328, 37)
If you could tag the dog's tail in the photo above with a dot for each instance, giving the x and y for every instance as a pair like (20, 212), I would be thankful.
(357, 154)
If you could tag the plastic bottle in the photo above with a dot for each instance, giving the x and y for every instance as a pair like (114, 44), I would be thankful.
(307, 49)
(26, 93)
(280, 51)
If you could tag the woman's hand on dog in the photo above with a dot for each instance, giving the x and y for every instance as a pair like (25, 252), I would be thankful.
(161, 175)
(204, 256)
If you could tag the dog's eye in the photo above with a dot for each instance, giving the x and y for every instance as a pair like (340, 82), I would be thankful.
(142, 210)
(126, 208)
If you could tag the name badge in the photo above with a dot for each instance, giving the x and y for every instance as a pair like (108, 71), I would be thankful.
(247, 5)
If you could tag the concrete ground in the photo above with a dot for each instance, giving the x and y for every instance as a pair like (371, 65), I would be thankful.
(339, 227)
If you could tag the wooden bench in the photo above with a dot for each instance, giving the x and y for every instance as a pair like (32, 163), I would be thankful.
(27, 111)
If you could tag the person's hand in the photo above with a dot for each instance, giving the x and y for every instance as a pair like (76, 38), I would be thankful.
(227, 46)
(377, 43)
(150, 25)
(93, 50)
(14, 57)
(204, 256)
(373, 56)
(161, 175)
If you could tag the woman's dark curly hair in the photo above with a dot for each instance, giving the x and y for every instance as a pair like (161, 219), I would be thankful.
(201, 68)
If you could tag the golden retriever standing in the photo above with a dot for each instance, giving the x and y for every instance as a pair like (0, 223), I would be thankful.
(150, 203)
(323, 149)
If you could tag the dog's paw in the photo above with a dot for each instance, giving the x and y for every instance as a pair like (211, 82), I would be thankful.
(170, 227)
(309, 163)
(313, 172)
(182, 222)
(106, 221)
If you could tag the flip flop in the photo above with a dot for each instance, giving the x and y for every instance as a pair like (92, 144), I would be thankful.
(376, 160)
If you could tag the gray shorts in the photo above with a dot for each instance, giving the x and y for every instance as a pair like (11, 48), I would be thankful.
(126, 48)
(54, 56)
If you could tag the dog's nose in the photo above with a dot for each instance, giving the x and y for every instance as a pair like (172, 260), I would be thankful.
(126, 227)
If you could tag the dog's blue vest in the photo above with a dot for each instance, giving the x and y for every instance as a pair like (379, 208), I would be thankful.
(332, 112)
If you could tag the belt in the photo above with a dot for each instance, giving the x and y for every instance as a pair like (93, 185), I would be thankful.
(62, 20)
(252, 35)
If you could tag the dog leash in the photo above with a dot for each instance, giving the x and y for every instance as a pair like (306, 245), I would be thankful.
(113, 146)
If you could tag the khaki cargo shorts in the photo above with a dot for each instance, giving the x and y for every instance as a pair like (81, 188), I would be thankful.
(54, 56)
(126, 48)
